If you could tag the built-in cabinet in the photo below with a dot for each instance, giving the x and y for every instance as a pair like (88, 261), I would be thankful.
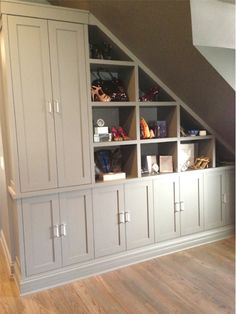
(123, 217)
(49, 89)
(219, 198)
(178, 205)
(109, 223)
(58, 230)
(67, 222)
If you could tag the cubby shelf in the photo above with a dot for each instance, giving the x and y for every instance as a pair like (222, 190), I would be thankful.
(163, 114)
(115, 143)
(113, 104)
(195, 138)
(158, 140)
(110, 63)
(157, 103)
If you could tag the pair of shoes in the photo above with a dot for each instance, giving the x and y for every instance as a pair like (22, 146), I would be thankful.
(97, 94)
(201, 163)
(150, 95)
(119, 134)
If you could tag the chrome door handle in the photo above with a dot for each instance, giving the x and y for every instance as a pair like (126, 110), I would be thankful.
(63, 231)
(49, 106)
(127, 217)
(176, 207)
(56, 106)
(56, 233)
(121, 218)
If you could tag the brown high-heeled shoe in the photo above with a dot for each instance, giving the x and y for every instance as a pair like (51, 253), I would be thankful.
(97, 94)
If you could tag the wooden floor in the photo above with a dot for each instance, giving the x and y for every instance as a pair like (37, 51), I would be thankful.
(199, 280)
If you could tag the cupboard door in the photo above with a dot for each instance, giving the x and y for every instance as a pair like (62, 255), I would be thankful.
(139, 214)
(32, 100)
(41, 234)
(166, 207)
(191, 203)
(229, 197)
(70, 102)
(213, 205)
(109, 227)
(76, 227)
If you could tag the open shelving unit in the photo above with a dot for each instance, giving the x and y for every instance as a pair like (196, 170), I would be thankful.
(157, 108)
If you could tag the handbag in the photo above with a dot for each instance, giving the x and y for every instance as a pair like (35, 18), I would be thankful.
(112, 87)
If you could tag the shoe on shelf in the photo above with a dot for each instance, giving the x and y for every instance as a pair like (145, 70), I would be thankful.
(150, 95)
(116, 135)
(123, 134)
(97, 94)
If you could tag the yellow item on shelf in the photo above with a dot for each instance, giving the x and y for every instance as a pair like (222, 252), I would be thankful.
(145, 132)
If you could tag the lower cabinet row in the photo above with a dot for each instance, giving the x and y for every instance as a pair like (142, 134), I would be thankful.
(73, 227)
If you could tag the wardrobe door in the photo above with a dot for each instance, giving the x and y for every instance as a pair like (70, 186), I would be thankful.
(31, 80)
(70, 102)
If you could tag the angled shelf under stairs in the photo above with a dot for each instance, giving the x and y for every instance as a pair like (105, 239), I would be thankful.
(148, 99)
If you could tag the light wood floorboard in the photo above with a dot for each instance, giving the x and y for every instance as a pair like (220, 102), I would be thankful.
(198, 280)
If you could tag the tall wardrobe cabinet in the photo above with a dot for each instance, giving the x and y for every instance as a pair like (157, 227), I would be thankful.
(49, 90)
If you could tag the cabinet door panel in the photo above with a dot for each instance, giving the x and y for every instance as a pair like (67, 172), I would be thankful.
(42, 249)
(109, 233)
(213, 207)
(32, 91)
(229, 197)
(70, 96)
(191, 194)
(166, 194)
(139, 205)
(76, 214)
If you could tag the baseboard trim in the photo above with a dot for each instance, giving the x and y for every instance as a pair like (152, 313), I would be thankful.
(105, 264)
(10, 264)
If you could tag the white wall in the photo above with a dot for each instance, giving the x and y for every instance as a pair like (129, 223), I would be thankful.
(213, 32)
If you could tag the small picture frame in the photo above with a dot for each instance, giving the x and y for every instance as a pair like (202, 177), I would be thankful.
(165, 164)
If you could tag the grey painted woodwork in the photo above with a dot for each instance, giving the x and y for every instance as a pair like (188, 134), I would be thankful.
(191, 202)
(109, 225)
(229, 197)
(31, 81)
(42, 246)
(57, 230)
(178, 205)
(67, 53)
(139, 214)
(219, 202)
(166, 207)
(213, 203)
(42, 100)
(76, 219)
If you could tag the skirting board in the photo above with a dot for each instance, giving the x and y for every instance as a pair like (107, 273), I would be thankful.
(98, 266)
(10, 265)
